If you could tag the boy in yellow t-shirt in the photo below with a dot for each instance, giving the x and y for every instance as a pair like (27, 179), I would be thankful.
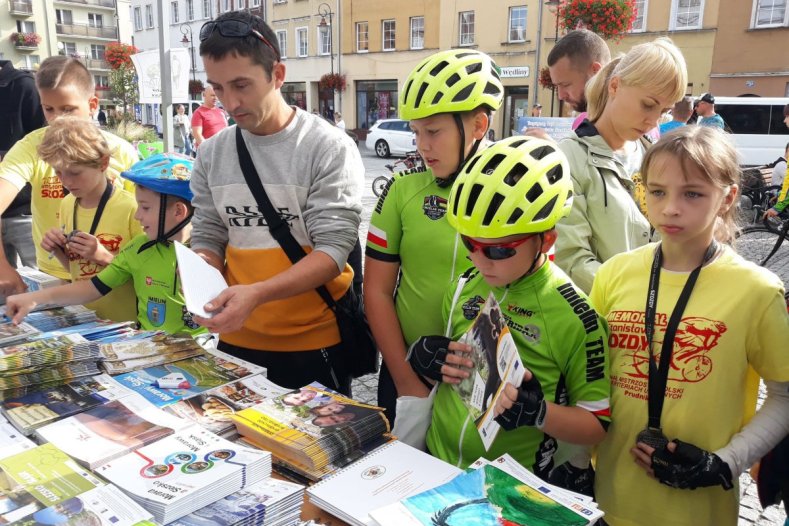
(97, 218)
(65, 88)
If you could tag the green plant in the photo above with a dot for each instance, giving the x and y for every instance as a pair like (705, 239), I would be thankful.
(610, 19)
(26, 39)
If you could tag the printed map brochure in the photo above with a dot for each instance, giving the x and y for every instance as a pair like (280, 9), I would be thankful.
(496, 362)
(204, 372)
(38, 478)
(101, 506)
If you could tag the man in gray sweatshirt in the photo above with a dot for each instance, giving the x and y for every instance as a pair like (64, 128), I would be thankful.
(312, 173)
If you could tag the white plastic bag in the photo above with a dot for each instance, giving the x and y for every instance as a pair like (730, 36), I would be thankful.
(413, 419)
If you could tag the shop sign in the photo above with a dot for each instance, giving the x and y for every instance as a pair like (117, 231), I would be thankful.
(515, 71)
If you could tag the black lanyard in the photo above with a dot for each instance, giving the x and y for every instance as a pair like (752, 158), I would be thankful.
(99, 210)
(658, 375)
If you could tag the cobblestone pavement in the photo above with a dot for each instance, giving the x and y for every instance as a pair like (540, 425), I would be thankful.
(364, 389)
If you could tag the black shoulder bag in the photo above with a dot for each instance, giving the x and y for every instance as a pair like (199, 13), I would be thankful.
(360, 351)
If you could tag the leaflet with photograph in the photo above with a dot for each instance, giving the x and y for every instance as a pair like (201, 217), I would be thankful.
(100, 506)
(385, 476)
(38, 478)
(496, 362)
(148, 343)
(11, 333)
(201, 373)
(37, 280)
(45, 375)
(60, 317)
(41, 352)
(186, 471)
(213, 409)
(39, 408)
(105, 432)
(487, 495)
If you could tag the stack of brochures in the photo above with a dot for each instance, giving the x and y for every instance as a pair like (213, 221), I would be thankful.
(146, 349)
(39, 408)
(312, 428)
(184, 472)
(11, 334)
(385, 476)
(60, 317)
(497, 492)
(108, 431)
(11, 442)
(100, 506)
(37, 280)
(195, 375)
(215, 408)
(270, 502)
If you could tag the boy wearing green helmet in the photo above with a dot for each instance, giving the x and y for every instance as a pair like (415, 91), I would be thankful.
(413, 254)
(164, 210)
(505, 205)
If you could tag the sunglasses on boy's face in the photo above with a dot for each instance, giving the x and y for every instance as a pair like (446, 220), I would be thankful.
(495, 251)
(234, 29)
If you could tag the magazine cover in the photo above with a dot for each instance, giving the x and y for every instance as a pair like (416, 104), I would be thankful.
(132, 364)
(107, 431)
(200, 374)
(214, 409)
(101, 506)
(496, 361)
(35, 479)
(39, 408)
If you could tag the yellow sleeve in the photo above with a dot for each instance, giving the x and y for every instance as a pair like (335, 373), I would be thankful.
(784, 186)
(21, 162)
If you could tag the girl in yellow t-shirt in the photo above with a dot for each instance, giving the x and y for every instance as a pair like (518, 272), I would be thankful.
(684, 367)
(97, 217)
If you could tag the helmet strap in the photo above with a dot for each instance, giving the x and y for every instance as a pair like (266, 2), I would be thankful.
(162, 236)
(462, 158)
(537, 257)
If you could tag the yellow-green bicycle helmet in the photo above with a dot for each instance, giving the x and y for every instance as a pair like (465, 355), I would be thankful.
(451, 81)
(519, 185)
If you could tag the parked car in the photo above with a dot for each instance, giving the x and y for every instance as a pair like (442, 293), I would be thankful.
(391, 136)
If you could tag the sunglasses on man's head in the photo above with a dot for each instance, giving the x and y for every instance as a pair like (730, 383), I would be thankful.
(234, 29)
(495, 251)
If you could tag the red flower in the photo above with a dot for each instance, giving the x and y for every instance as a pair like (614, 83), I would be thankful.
(608, 18)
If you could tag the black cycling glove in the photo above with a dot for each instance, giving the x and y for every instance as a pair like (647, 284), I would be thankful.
(528, 410)
(579, 480)
(690, 467)
(428, 354)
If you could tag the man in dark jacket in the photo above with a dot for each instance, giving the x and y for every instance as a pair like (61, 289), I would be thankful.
(20, 113)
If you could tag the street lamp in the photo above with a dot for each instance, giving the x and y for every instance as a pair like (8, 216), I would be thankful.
(555, 5)
(188, 40)
(324, 10)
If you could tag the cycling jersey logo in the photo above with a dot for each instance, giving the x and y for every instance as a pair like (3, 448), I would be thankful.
(51, 188)
(252, 216)
(112, 242)
(156, 310)
(435, 207)
(472, 306)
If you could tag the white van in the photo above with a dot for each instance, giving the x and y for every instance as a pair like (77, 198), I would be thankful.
(757, 125)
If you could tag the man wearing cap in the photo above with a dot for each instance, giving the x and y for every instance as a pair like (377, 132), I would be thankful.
(536, 110)
(706, 110)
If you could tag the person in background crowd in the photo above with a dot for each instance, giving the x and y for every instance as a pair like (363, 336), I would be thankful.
(65, 87)
(208, 119)
(181, 128)
(536, 110)
(20, 113)
(779, 168)
(706, 110)
(338, 120)
(680, 114)
(102, 117)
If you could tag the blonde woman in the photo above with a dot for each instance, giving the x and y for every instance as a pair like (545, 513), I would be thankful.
(625, 101)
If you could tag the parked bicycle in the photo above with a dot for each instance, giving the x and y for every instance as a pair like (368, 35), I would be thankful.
(756, 196)
(412, 160)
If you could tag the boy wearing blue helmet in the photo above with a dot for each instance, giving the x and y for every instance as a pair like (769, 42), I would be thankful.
(164, 210)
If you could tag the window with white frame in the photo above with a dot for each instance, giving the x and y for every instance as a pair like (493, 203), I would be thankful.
(417, 32)
(149, 15)
(225, 6)
(30, 61)
(362, 36)
(255, 3)
(95, 20)
(282, 40)
(301, 41)
(686, 14)
(324, 39)
(518, 24)
(770, 13)
(388, 35)
(25, 26)
(466, 25)
(174, 13)
(190, 9)
(640, 21)
(101, 81)
(69, 49)
(64, 16)
(138, 18)
(206, 8)
(97, 51)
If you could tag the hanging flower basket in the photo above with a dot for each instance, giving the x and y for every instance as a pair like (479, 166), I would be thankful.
(334, 81)
(26, 39)
(611, 19)
(545, 78)
(117, 54)
(195, 87)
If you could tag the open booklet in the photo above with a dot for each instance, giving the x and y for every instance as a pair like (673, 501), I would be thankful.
(496, 361)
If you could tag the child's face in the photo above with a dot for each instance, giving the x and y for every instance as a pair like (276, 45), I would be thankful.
(67, 100)
(300, 398)
(438, 141)
(682, 204)
(502, 272)
(81, 180)
(148, 212)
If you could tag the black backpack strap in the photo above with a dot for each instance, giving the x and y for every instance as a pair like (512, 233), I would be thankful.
(279, 229)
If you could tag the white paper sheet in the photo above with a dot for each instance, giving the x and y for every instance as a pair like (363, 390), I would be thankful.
(200, 281)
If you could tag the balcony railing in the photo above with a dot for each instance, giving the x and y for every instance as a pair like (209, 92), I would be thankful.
(85, 30)
(99, 3)
(96, 63)
(20, 7)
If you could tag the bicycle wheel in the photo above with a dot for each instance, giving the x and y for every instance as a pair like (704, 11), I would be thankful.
(756, 242)
(379, 183)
